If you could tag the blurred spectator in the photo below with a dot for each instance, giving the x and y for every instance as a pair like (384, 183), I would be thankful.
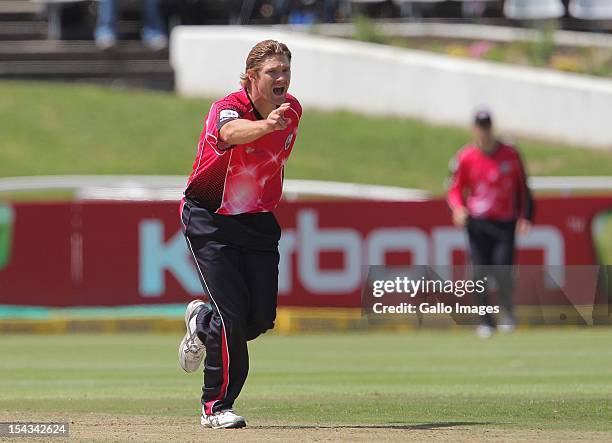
(330, 10)
(153, 31)
(306, 11)
(473, 8)
(302, 16)
(489, 196)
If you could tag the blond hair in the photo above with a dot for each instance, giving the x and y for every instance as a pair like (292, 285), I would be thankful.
(259, 53)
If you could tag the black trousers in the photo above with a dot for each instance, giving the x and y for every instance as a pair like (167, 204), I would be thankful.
(492, 246)
(237, 259)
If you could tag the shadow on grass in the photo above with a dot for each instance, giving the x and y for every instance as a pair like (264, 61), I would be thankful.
(425, 426)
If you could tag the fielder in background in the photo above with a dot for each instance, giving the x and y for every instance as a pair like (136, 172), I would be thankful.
(226, 216)
(489, 196)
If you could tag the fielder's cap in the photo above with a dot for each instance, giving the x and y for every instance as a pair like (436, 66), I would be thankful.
(483, 118)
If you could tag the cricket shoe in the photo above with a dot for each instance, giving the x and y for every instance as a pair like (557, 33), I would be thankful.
(227, 419)
(507, 324)
(191, 350)
(506, 328)
(485, 331)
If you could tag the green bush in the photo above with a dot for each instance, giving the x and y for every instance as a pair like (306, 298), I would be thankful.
(367, 31)
(541, 49)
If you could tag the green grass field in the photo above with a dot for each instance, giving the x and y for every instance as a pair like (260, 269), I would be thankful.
(533, 380)
(78, 129)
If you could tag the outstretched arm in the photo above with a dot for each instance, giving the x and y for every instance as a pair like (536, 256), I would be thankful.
(241, 131)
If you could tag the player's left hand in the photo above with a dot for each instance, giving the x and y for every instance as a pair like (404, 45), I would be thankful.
(523, 226)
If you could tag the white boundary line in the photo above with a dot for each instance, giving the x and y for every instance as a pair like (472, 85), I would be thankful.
(147, 187)
(170, 187)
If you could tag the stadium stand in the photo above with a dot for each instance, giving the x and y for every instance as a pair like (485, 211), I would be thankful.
(53, 39)
(31, 47)
(20, 19)
(54, 16)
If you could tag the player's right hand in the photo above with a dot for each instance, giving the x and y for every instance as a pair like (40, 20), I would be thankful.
(277, 118)
(460, 216)
(523, 226)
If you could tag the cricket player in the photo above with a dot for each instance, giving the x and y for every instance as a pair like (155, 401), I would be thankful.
(489, 196)
(231, 232)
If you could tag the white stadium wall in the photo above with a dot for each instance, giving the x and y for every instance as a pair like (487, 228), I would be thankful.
(331, 73)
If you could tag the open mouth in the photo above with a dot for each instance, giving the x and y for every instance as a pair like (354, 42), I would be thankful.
(279, 91)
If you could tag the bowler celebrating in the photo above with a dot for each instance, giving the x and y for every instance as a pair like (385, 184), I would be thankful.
(226, 217)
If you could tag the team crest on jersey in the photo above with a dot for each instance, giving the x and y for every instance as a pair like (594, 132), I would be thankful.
(288, 141)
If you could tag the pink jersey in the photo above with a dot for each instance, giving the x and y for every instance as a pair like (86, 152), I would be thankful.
(244, 178)
(491, 185)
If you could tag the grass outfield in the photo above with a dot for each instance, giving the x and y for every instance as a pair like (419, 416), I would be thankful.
(555, 382)
(79, 129)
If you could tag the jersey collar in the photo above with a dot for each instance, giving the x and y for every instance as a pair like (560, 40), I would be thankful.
(258, 116)
(492, 152)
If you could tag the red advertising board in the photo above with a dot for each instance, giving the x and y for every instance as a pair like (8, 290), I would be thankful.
(133, 253)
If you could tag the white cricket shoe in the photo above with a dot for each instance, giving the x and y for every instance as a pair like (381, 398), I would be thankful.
(484, 331)
(506, 328)
(223, 420)
(191, 350)
(506, 324)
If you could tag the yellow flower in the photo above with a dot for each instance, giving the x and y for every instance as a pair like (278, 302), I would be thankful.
(457, 51)
(567, 63)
